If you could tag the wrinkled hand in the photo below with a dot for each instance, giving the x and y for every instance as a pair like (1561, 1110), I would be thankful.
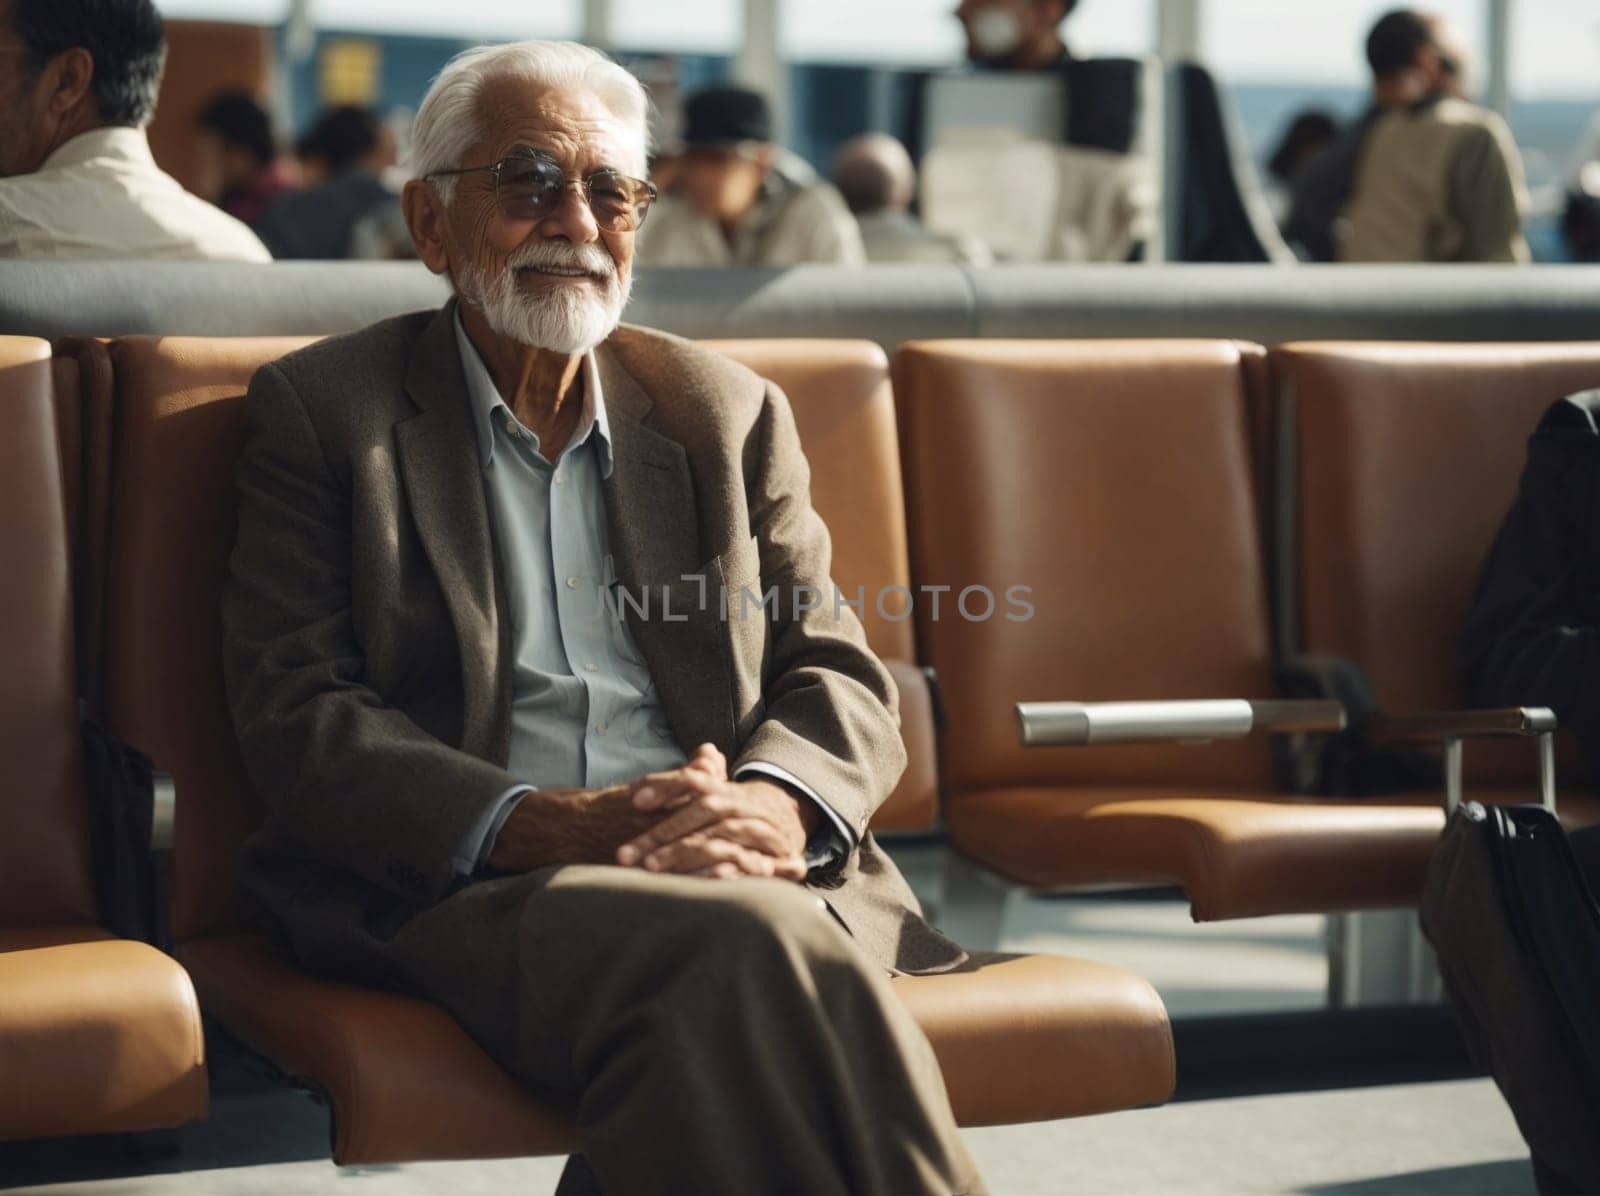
(566, 826)
(717, 827)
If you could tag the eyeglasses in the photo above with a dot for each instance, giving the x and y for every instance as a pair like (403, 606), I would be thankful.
(529, 186)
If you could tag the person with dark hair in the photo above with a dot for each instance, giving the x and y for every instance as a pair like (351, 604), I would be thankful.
(874, 174)
(1434, 178)
(347, 211)
(740, 199)
(1473, 205)
(1309, 133)
(78, 83)
(237, 156)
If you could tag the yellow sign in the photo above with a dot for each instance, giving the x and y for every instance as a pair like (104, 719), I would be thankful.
(350, 69)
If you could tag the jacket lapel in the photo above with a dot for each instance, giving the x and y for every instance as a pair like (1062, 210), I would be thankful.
(439, 468)
(654, 525)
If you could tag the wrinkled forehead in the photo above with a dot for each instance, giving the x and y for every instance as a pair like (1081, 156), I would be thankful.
(574, 125)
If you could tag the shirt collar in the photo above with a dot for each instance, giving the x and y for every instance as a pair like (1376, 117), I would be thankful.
(118, 142)
(487, 403)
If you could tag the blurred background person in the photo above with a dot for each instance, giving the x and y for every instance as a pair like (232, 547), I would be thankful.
(1408, 65)
(1091, 192)
(1015, 35)
(78, 84)
(1308, 134)
(237, 157)
(874, 174)
(1437, 179)
(737, 200)
(346, 210)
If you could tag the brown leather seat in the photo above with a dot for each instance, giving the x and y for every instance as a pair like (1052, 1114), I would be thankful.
(83, 411)
(844, 410)
(96, 1034)
(1116, 479)
(1407, 458)
(1073, 1037)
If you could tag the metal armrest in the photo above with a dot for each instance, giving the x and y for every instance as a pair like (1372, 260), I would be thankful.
(1460, 724)
(1453, 728)
(1068, 724)
(163, 812)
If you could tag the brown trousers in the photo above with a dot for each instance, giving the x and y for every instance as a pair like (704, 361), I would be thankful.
(711, 1035)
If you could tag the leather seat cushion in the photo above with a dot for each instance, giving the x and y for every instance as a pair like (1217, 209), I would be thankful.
(97, 1035)
(1021, 1038)
(1038, 1037)
(1232, 857)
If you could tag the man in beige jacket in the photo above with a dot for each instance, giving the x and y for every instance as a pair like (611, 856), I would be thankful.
(1438, 179)
(527, 750)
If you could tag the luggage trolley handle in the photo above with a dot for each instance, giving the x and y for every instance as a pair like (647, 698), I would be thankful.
(1454, 727)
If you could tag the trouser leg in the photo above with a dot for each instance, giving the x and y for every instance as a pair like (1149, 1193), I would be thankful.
(717, 1036)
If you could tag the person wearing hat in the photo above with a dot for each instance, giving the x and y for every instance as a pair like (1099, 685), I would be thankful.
(739, 200)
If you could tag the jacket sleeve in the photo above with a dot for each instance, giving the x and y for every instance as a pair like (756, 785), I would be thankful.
(1530, 638)
(1490, 197)
(349, 780)
(831, 708)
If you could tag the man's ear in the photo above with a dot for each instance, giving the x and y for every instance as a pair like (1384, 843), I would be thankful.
(67, 79)
(425, 217)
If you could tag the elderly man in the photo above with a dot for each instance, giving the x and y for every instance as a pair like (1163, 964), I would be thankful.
(629, 854)
(78, 83)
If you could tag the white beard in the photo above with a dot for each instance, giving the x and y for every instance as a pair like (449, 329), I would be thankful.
(567, 318)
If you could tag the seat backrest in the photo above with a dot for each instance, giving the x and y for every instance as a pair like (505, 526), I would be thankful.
(844, 410)
(44, 844)
(179, 429)
(83, 409)
(1407, 458)
(1115, 479)
(1223, 214)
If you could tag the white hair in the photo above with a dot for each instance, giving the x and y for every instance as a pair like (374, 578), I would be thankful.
(449, 120)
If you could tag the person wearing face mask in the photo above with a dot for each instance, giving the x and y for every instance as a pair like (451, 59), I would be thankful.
(1435, 178)
(1093, 195)
(739, 200)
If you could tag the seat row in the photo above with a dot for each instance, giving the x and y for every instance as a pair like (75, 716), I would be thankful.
(1154, 500)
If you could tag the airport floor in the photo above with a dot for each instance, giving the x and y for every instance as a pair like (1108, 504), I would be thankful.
(1276, 1095)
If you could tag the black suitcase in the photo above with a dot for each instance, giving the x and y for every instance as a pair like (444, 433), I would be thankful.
(1509, 906)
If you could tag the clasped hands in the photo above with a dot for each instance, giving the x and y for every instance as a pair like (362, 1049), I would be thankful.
(692, 821)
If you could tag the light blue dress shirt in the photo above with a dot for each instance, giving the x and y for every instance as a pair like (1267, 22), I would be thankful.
(585, 711)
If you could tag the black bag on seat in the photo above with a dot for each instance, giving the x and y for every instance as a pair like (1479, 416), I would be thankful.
(1509, 906)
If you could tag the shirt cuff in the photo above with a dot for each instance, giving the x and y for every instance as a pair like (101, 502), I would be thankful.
(472, 853)
(832, 840)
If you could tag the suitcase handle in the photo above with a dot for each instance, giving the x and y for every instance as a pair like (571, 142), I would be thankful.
(1454, 728)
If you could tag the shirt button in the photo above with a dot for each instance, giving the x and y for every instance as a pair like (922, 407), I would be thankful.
(572, 583)
(513, 431)
(599, 728)
(590, 666)
(559, 479)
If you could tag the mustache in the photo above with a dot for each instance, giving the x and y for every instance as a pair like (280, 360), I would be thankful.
(563, 255)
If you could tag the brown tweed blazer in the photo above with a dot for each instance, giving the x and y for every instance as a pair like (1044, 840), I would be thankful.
(368, 657)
